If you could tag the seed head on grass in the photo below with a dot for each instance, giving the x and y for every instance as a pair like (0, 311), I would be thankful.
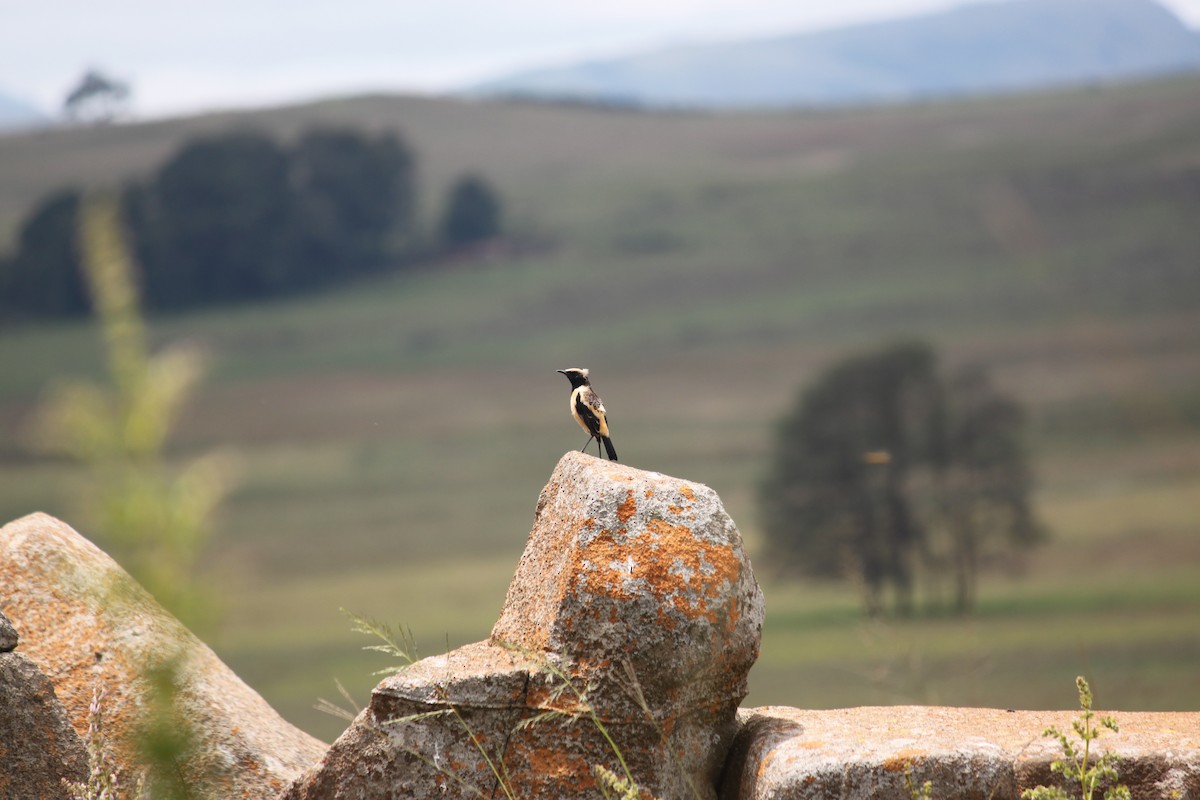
(104, 777)
(1077, 766)
(398, 643)
(614, 786)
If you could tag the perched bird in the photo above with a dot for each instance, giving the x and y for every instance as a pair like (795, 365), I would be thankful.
(588, 411)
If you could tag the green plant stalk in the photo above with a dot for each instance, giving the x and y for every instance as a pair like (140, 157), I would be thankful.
(1075, 766)
(114, 295)
(922, 792)
(120, 432)
(1088, 782)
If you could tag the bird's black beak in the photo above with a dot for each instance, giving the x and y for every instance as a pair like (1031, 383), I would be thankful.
(561, 371)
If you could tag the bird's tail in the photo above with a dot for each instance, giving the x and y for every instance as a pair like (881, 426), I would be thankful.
(608, 446)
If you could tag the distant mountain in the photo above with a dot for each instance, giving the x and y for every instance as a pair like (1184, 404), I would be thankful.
(975, 49)
(15, 114)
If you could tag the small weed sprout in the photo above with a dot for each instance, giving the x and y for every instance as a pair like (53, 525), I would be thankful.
(104, 775)
(922, 792)
(1076, 766)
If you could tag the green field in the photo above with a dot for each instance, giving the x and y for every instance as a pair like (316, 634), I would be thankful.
(393, 435)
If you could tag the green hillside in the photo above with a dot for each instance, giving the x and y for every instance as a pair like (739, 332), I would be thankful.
(394, 435)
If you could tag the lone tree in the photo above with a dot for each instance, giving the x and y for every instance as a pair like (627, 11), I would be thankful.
(97, 98)
(884, 471)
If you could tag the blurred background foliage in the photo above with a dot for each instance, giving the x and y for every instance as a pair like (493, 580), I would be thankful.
(154, 518)
(394, 429)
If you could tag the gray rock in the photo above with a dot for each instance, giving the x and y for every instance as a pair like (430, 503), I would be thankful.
(8, 635)
(634, 588)
(84, 620)
(852, 753)
(38, 746)
(412, 740)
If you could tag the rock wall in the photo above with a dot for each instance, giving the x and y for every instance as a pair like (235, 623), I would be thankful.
(633, 620)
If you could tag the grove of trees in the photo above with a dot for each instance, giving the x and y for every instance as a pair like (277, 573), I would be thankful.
(238, 216)
(888, 471)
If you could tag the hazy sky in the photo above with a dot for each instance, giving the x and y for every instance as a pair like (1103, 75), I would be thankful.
(182, 57)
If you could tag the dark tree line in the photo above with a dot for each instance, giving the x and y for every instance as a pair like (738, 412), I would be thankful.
(887, 471)
(239, 217)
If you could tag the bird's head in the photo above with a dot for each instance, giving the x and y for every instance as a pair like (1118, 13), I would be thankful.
(578, 376)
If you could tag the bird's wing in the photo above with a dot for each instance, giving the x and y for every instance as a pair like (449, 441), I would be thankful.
(591, 411)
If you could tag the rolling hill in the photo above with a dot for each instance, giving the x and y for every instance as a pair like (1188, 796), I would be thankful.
(1050, 237)
(980, 48)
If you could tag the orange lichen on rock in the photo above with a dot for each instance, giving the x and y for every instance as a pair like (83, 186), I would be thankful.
(696, 579)
(554, 764)
(628, 508)
(665, 560)
(902, 760)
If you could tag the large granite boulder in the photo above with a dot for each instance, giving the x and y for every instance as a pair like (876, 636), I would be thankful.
(630, 626)
(84, 621)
